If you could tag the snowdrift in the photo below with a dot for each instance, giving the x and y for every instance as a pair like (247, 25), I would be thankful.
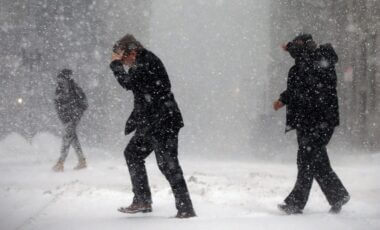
(226, 194)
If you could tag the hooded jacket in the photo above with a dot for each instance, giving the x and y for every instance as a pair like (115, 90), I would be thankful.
(70, 100)
(311, 95)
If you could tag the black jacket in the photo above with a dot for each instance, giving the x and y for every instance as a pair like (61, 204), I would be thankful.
(70, 101)
(154, 104)
(311, 95)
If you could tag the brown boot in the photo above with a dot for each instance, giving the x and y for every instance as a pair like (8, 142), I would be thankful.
(136, 208)
(81, 164)
(58, 167)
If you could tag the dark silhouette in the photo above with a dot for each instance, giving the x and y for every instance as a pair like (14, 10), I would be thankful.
(70, 103)
(312, 110)
(156, 120)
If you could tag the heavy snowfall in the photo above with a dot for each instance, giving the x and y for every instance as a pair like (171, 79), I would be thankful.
(226, 67)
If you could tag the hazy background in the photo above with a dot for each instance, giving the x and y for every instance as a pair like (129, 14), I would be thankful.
(223, 58)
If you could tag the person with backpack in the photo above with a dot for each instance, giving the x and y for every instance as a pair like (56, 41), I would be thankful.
(70, 103)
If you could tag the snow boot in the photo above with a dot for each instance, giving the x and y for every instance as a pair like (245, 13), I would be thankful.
(81, 164)
(185, 214)
(336, 208)
(136, 208)
(289, 209)
(184, 206)
(58, 167)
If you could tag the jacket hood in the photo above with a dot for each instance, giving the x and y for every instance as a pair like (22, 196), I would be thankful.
(65, 74)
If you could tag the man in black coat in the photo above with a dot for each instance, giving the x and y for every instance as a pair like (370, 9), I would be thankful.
(70, 103)
(156, 120)
(312, 110)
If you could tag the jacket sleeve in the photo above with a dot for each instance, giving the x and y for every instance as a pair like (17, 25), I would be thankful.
(131, 123)
(121, 75)
(162, 84)
(57, 100)
(285, 96)
(82, 97)
(328, 52)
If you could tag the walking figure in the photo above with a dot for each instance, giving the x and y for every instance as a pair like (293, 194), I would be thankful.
(312, 110)
(156, 120)
(70, 103)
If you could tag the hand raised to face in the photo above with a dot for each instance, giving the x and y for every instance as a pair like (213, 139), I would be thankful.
(117, 55)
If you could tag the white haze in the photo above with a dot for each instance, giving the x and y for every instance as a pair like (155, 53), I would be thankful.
(237, 160)
(216, 53)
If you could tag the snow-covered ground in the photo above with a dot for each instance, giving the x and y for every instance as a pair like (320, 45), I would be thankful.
(226, 194)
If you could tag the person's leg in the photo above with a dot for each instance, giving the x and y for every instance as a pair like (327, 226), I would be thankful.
(298, 197)
(166, 150)
(327, 179)
(78, 149)
(135, 154)
(67, 138)
(76, 144)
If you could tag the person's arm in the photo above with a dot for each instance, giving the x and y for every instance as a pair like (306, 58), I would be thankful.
(120, 74)
(58, 98)
(328, 52)
(282, 101)
(82, 97)
(285, 96)
(161, 84)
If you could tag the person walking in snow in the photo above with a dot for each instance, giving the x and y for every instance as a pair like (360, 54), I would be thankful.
(70, 103)
(156, 120)
(312, 110)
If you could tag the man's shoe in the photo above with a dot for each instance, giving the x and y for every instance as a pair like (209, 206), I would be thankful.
(336, 208)
(185, 214)
(136, 208)
(289, 209)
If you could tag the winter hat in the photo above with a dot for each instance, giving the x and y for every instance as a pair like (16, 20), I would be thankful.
(65, 73)
(303, 37)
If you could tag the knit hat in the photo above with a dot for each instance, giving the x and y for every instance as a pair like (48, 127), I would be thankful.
(303, 37)
(65, 73)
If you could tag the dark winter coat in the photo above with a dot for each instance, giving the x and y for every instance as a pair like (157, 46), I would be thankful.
(311, 95)
(154, 104)
(70, 101)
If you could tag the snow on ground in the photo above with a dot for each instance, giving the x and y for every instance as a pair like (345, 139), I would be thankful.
(226, 195)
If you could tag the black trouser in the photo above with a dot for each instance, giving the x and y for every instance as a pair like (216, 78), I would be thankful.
(165, 145)
(313, 162)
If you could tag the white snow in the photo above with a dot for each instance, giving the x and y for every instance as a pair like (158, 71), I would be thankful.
(226, 194)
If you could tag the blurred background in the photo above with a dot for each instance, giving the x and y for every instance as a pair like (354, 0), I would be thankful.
(224, 60)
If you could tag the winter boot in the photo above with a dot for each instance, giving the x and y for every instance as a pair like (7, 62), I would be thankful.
(185, 214)
(184, 207)
(136, 207)
(81, 164)
(59, 166)
(336, 208)
(289, 209)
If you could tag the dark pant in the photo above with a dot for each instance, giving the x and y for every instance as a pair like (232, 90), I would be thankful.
(70, 138)
(165, 145)
(313, 162)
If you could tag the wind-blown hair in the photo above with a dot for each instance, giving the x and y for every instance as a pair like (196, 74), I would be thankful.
(127, 44)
